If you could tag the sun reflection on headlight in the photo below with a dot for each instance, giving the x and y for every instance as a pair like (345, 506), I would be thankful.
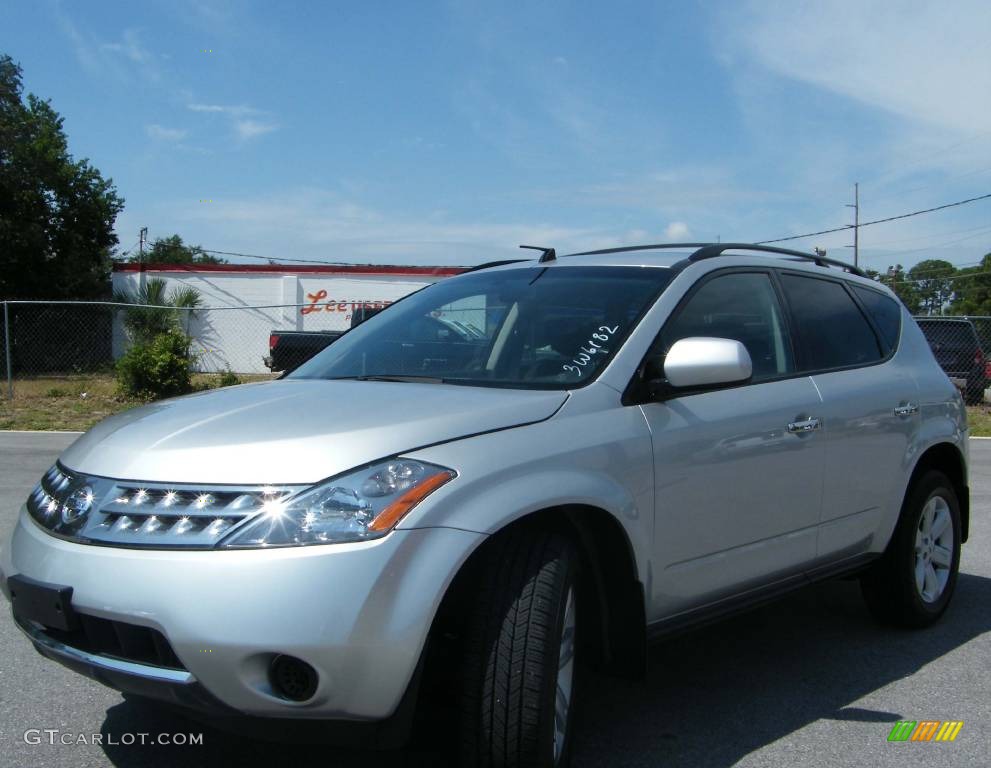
(361, 505)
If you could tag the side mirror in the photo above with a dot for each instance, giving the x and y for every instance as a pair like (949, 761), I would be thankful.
(701, 361)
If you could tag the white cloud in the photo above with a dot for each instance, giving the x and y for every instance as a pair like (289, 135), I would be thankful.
(130, 47)
(239, 110)
(249, 129)
(161, 133)
(893, 95)
(246, 122)
(676, 231)
(122, 60)
(925, 62)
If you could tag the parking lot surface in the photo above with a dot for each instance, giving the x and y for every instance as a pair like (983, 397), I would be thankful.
(810, 680)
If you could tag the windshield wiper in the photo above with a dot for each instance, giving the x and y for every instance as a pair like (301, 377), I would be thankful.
(391, 377)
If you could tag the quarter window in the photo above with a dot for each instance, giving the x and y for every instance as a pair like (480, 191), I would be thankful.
(832, 330)
(885, 312)
(741, 306)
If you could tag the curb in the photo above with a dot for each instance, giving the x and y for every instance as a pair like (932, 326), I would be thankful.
(40, 432)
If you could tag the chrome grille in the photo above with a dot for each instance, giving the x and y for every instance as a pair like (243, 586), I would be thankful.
(126, 513)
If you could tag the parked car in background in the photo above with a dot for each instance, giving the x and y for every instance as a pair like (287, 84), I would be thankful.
(287, 350)
(958, 351)
(505, 477)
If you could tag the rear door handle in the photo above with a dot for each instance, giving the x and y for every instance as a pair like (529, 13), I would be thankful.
(806, 425)
(906, 410)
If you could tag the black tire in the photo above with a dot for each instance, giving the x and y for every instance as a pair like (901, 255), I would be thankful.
(890, 586)
(512, 649)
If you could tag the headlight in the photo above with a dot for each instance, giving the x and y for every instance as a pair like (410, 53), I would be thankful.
(358, 506)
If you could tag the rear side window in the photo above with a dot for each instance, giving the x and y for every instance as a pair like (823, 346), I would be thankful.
(884, 311)
(832, 331)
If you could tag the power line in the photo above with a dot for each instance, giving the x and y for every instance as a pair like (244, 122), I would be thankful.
(124, 253)
(936, 270)
(936, 235)
(904, 170)
(273, 259)
(856, 224)
(948, 278)
(845, 227)
(876, 221)
(931, 248)
(922, 187)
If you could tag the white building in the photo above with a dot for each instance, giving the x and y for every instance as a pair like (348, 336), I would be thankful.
(243, 304)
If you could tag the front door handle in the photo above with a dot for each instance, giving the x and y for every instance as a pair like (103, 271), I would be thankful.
(907, 409)
(806, 425)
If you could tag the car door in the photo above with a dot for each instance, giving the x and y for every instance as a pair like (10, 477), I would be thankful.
(848, 341)
(738, 471)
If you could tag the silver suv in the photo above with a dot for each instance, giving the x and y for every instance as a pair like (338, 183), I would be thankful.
(530, 466)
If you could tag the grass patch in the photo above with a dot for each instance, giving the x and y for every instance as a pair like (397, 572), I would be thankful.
(79, 402)
(979, 420)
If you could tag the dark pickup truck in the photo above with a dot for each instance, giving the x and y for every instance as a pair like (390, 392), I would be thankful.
(957, 349)
(287, 350)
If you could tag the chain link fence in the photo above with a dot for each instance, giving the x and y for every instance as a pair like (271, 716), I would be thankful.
(72, 339)
(959, 345)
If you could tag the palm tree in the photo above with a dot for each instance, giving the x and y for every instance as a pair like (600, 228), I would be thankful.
(144, 321)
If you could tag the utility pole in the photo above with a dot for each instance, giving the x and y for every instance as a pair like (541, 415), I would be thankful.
(142, 237)
(856, 223)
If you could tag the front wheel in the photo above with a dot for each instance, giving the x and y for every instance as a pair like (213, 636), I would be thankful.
(913, 582)
(519, 661)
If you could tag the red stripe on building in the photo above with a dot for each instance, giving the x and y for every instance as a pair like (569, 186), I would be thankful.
(282, 269)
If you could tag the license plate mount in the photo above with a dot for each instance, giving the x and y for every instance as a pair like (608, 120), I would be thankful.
(47, 604)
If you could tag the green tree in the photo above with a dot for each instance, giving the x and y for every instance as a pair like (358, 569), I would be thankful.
(171, 250)
(972, 290)
(896, 279)
(145, 322)
(56, 213)
(933, 281)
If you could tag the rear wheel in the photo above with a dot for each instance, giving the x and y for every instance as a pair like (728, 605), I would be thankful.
(519, 659)
(913, 582)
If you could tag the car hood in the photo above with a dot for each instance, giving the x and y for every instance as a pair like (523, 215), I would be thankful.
(294, 431)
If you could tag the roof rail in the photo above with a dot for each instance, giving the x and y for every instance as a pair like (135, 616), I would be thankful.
(490, 264)
(628, 248)
(713, 250)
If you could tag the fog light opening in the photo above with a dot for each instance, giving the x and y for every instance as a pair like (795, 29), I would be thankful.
(292, 678)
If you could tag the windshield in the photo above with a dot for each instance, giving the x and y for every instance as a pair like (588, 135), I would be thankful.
(534, 328)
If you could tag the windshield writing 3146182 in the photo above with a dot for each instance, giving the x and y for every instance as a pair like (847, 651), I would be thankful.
(594, 346)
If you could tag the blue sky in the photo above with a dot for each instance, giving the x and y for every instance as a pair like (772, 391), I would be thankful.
(449, 132)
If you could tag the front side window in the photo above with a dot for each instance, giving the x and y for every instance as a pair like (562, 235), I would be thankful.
(832, 330)
(741, 306)
(531, 328)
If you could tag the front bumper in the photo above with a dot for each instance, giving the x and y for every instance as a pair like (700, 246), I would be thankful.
(359, 614)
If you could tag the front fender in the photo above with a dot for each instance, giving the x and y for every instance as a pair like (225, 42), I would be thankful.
(599, 459)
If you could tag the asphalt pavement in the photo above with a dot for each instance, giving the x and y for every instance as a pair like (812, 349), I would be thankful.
(808, 681)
